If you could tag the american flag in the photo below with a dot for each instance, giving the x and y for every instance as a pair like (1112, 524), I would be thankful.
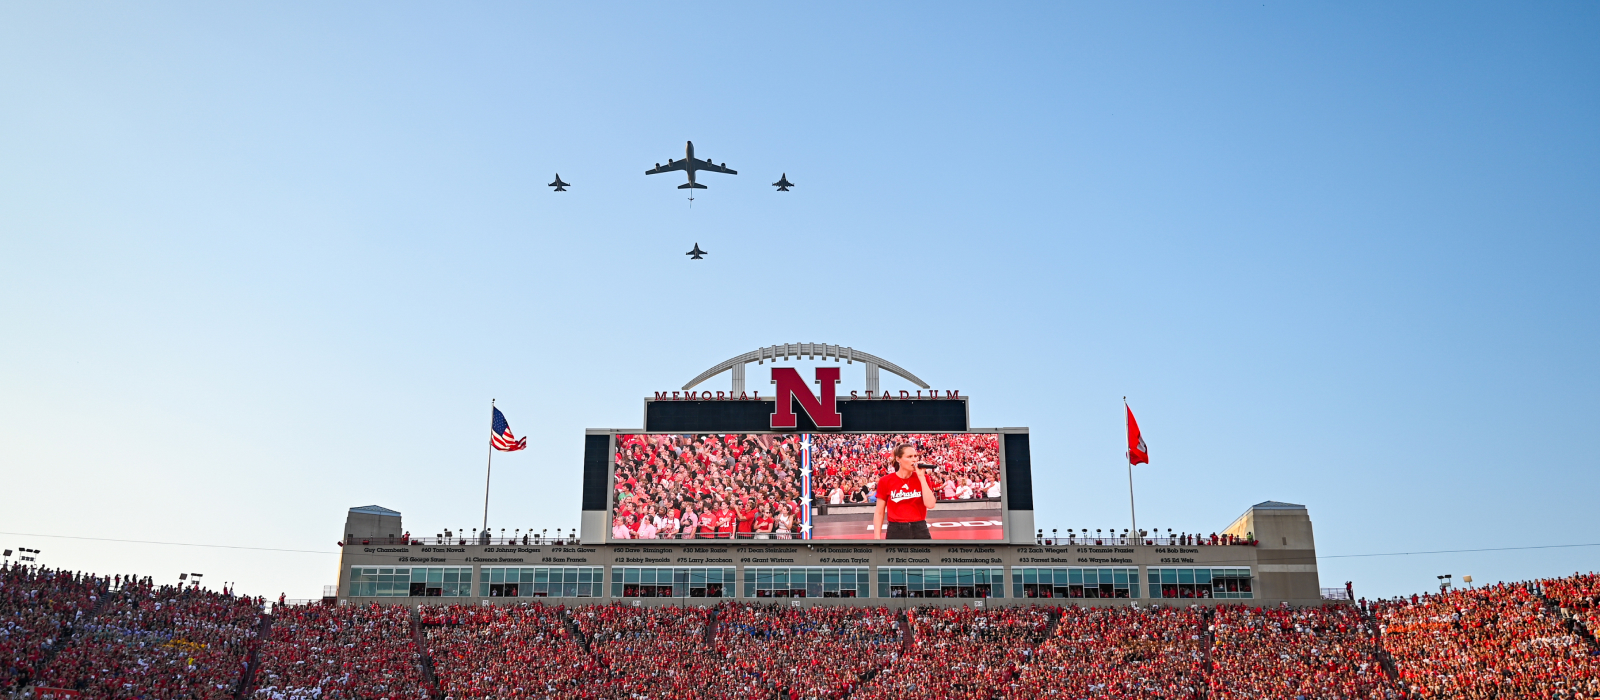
(500, 436)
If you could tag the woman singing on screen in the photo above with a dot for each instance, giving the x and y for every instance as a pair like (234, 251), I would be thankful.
(904, 496)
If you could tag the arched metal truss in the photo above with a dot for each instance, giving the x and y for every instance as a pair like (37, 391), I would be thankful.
(810, 351)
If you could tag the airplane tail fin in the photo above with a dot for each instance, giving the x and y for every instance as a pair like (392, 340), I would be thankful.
(561, 189)
(691, 186)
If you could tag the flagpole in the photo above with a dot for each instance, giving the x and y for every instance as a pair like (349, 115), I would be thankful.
(489, 470)
(1132, 512)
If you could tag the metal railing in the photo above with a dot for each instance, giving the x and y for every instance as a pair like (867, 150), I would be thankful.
(1081, 540)
(1335, 594)
(1073, 539)
(459, 541)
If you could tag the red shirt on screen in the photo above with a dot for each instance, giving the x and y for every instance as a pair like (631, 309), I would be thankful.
(904, 498)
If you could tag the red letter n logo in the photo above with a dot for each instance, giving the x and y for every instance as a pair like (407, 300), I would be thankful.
(823, 412)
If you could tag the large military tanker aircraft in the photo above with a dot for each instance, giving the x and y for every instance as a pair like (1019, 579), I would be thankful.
(689, 165)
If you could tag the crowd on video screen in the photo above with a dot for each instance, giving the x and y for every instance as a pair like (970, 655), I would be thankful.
(707, 487)
(845, 467)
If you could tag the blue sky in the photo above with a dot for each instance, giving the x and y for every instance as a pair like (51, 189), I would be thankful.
(262, 263)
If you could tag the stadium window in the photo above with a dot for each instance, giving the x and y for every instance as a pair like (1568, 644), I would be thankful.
(672, 582)
(1074, 582)
(1194, 582)
(541, 582)
(940, 582)
(413, 582)
(806, 582)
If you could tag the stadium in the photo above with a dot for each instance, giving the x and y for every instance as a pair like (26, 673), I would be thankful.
(734, 546)
(693, 453)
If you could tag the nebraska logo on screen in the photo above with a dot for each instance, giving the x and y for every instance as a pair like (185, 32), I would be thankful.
(823, 411)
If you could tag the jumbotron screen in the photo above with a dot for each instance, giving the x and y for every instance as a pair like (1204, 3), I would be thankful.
(814, 486)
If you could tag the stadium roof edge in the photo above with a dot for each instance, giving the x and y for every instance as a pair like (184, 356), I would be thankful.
(809, 350)
(374, 510)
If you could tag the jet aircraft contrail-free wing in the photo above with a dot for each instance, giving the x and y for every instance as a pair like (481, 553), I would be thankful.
(689, 165)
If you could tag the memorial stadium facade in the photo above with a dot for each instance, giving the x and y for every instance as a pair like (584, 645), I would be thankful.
(984, 551)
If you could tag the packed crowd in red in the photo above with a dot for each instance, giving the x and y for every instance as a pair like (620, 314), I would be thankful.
(151, 641)
(968, 653)
(1118, 653)
(521, 651)
(37, 607)
(338, 653)
(657, 652)
(1500, 641)
(110, 638)
(707, 486)
(845, 467)
(810, 653)
(1578, 598)
(1301, 652)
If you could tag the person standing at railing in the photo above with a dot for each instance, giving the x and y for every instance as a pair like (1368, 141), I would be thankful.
(764, 523)
(647, 529)
(727, 520)
(745, 518)
(667, 525)
(783, 524)
(690, 520)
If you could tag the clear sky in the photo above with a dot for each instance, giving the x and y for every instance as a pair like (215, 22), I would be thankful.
(260, 263)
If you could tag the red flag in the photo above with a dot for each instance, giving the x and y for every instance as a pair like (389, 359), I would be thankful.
(1137, 452)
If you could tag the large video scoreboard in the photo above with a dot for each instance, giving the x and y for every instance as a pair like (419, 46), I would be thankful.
(713, 469)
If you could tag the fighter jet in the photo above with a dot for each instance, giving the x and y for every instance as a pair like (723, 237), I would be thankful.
(559, 185)
(696, 253)
(783, 183)
(689, 164)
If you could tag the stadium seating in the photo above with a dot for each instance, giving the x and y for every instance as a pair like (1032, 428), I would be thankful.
(1119, 652)
(1498, 641)
(105, 639)
(1577, 597)
(37, 608)
(166, 642)
(969, 653)
(806, 652)
(1310, 652)
(333, 653)
(504, 651)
